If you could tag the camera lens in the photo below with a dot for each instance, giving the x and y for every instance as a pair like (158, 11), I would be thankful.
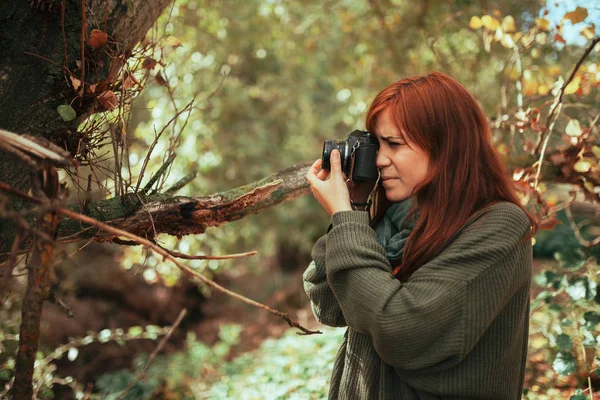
(328, 147)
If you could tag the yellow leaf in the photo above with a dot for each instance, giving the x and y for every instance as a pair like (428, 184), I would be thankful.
(573, 128)
(542, 23)
(475, 22)
(596, 151)
(489, 22)
(589, 186)
(573, 86)
(554, 70)
(543, 89)
(588, 32)
(582, 166)
(530, 87)
(577, 16)
(173, 41)
(508, 24)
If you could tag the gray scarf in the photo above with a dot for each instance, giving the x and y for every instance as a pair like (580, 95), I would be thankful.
(391, 232)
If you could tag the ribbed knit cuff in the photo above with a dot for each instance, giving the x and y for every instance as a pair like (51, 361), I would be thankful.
(360, 217)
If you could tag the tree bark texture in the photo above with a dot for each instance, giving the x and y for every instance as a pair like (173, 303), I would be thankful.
(145, 215)
(37, 60)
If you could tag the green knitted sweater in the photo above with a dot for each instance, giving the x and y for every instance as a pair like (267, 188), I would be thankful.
(457, 329)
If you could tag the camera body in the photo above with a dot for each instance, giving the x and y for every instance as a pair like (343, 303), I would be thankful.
(358, 153)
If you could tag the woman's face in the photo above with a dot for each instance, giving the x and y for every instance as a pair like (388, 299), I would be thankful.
(403, 164)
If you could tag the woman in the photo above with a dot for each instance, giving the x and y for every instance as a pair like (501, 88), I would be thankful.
(436, 295)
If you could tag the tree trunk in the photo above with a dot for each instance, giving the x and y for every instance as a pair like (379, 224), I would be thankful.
(37, 63)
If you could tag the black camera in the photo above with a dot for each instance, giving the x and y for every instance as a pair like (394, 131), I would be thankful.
(357, 154)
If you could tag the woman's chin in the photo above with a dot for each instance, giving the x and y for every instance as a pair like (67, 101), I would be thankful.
(393, 196)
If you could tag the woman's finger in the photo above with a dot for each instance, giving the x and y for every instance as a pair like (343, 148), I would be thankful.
(315, 167)
(323, 174)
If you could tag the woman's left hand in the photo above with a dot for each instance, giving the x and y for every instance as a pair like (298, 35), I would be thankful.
(329, 189)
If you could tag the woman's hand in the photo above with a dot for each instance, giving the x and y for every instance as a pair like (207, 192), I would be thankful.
(329, 188)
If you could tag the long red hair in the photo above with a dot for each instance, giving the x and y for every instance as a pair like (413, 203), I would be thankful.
(466, 172)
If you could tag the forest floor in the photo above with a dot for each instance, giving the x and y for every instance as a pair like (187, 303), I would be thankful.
(257, 323)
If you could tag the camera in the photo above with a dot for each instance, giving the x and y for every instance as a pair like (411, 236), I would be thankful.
(357, 154)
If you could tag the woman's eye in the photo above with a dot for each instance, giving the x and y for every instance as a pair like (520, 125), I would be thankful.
(393, 144)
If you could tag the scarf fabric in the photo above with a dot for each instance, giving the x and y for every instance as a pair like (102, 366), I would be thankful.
(392, 231)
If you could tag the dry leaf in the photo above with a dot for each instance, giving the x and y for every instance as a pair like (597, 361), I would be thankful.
(559, 38)
(548, 224)
(161, 80)
(97, 39)
(108, 100)
(588, 32)
(542, 23)
(149, 63)
(577, 16)
(92, 88)
(75, 82)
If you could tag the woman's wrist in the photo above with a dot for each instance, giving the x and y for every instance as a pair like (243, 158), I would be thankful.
(340, 217)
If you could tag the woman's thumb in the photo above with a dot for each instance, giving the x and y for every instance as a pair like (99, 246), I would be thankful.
(336, 162)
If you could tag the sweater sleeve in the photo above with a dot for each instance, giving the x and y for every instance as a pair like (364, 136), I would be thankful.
(435, 318)
(324, 305)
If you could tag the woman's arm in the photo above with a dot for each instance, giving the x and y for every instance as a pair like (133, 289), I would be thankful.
(324, 305)
(435, 318)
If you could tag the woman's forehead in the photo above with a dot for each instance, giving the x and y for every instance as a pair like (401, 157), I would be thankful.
(385, 127)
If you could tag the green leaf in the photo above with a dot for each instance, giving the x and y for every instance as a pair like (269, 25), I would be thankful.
(564, 363)
(66, 112)
(566, 322)
(592, 319)
(579, 288)
(545, 278)
(572, 258)
(578, 395)
(564, 341)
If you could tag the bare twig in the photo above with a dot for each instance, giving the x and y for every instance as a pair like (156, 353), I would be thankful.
(145, 242)
(147, 158)
(159, 173)
(25, 144)
(555, 111)
(577, 232)
(182, 182)
(83, 31)
(8, 267)
(204, 257)
(158, 348)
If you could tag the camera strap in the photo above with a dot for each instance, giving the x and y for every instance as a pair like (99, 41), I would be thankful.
(355, 205)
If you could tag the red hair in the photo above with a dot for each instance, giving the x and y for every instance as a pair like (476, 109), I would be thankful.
(466, 173)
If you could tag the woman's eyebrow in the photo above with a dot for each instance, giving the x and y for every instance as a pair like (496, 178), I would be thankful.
(392, 137)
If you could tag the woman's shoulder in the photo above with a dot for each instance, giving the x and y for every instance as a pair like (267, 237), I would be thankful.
(497, 221)
(502, 212)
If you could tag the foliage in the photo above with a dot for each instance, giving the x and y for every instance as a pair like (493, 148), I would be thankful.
(291, 367)
(271, 80)
(44, 372)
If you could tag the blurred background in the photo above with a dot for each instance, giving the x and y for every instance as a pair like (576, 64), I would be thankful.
(274, 79)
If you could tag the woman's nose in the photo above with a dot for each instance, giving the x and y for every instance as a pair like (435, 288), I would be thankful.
(381, 160)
